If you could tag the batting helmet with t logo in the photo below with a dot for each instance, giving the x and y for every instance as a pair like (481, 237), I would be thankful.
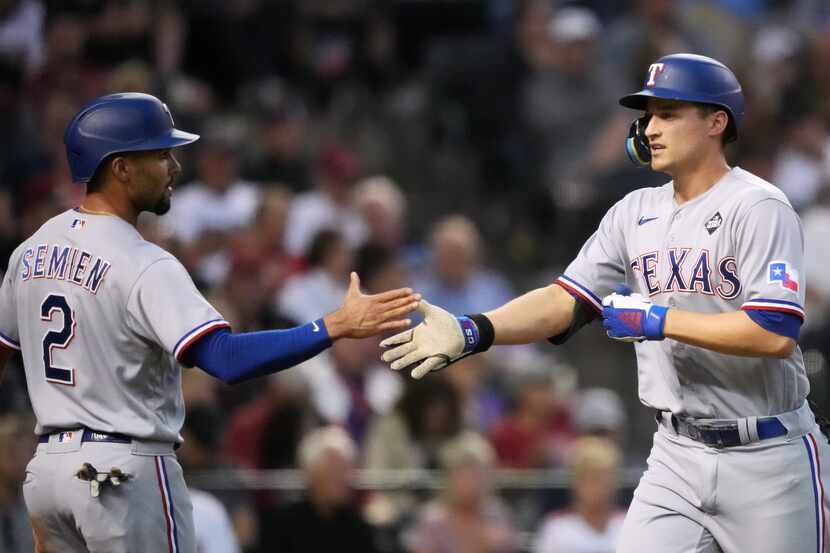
(689, 78)
(128, 122)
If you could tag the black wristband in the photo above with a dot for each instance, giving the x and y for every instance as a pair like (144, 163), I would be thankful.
(486, 333)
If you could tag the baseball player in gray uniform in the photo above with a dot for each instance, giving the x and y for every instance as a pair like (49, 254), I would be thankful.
(715, 259)
(105, 320)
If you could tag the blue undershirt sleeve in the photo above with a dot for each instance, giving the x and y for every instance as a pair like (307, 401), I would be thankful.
(784, 324)
(235, 358)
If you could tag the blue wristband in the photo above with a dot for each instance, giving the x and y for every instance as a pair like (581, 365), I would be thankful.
(655, 322)
(470, 331)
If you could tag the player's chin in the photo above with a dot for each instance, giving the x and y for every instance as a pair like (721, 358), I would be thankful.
(658, 164)
(162, 206)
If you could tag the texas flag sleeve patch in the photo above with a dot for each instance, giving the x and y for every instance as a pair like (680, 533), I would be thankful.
(784, 275)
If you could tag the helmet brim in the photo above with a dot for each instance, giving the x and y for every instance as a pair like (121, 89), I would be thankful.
(639, 100)
(172, 140)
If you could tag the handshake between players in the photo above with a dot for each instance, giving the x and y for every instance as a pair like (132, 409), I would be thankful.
(443, 338)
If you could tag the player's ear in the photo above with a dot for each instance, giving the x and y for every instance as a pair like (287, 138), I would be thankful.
(718, 122)
(120, 167)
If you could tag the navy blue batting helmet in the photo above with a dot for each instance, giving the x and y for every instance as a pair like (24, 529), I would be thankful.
(692, 78)
(128, 122)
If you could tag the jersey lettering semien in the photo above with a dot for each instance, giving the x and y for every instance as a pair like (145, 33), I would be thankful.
(101, 316)
(737, 246)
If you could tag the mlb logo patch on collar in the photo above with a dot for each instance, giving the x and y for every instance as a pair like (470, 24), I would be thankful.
(78, 224)
(784, 275)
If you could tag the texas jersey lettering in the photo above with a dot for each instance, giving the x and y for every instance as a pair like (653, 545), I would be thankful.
(737, 246)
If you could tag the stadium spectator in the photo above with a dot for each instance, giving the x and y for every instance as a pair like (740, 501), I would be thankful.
(538, 430)
(214, 530)
(329, 204)
(592, 523)
(119, 31)
(21, 33)
(350, 387)
(802, 167)
(467, 517)
(265, 432)
(456, 279)
(207, 210)
(202, 433)
(424, 424)
(280, 154)
(599, 412)
(816, 221)
(482, 402)
(318, 290)
(383, 206)
(260, 247)
(650, 29)
(326, 520)
(576, 136)
(425, 421)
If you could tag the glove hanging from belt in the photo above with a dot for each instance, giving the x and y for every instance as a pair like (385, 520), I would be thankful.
(97, 479)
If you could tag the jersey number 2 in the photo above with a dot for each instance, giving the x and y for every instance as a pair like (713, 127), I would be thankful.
(57, 338)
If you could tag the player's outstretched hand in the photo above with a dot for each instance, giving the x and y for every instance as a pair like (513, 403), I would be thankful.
(362, 315)
(430, 346)
(632, 318)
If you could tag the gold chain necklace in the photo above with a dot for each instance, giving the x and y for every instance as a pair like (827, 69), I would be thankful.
(83, 209)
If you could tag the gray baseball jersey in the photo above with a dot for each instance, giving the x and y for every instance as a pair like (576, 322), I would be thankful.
(100, 316)
(737, 246)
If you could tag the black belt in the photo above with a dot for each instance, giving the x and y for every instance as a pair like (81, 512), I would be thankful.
(725, 433)
(88, 436)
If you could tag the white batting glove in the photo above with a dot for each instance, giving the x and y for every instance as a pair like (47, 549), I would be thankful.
(432, 345)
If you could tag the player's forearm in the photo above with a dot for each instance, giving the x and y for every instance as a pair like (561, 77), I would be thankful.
(234, 358)
(732, 333)
(534, 316)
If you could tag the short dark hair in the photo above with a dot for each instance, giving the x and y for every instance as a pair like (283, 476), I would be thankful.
(97, 181)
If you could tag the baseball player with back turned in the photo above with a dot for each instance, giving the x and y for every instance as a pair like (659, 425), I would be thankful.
(105, 320)
(715, 258)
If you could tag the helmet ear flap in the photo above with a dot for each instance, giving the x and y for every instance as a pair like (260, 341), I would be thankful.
(636, 145)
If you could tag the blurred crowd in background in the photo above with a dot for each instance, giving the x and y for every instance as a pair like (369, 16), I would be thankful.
(465, 148)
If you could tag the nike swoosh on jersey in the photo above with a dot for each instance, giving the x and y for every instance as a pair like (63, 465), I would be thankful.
(314, 327)
(644, 220)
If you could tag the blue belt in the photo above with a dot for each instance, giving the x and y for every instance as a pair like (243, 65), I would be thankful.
(724, 433)
(88, 436)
